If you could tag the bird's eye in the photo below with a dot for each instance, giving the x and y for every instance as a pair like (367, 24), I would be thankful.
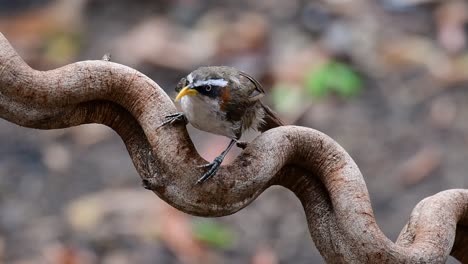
(207, 87)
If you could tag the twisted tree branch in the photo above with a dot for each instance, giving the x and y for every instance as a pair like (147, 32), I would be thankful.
(309, 163)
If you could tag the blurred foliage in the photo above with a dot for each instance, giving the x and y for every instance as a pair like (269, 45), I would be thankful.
(61, 47)
(410, 67)
(213, 233)
(335, 77)
(286, 97)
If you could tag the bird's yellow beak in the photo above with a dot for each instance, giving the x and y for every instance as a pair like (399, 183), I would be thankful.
(185, 91)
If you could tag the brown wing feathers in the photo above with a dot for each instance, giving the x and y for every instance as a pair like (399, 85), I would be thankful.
(271, 119)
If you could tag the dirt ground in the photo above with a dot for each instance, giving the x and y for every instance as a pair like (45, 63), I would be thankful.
(403, 121)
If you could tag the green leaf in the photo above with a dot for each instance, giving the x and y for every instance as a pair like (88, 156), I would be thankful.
(317, 81)
(347, 82)
(286, 98)
(333, 77)
(213, 233)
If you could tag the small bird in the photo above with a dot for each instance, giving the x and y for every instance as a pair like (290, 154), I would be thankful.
(224, 101)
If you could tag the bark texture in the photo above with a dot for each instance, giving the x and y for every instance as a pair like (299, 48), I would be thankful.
(311, 164)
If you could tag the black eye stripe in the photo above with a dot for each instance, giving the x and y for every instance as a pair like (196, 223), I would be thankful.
(205, 87)
(211, 91)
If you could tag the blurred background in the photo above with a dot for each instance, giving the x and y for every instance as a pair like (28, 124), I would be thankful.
(387, 79)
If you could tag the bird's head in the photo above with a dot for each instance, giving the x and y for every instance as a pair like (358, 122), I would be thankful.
(227, 88)
(205, 82)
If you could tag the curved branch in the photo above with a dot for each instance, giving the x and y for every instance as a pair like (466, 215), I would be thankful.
(311, 164)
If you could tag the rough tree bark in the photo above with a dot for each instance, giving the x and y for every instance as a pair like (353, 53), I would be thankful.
(309, 163)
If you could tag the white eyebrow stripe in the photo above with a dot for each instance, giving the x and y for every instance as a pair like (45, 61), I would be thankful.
(190, 78)
(212, 82)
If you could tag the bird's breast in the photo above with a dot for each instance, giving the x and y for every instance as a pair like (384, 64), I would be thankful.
(205, 114)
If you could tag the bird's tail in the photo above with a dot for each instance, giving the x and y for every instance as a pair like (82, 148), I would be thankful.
(271, 120)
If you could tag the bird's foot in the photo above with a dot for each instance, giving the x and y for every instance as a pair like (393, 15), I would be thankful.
(146, 184)
(242, 144)
(213, 167)
(174, 118)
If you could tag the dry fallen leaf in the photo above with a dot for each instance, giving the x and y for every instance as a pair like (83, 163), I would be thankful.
(265, 255)
(176, 232)
(246, 33)
(159, 42)
(420, 165)
(451, 17)
(64, 254)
